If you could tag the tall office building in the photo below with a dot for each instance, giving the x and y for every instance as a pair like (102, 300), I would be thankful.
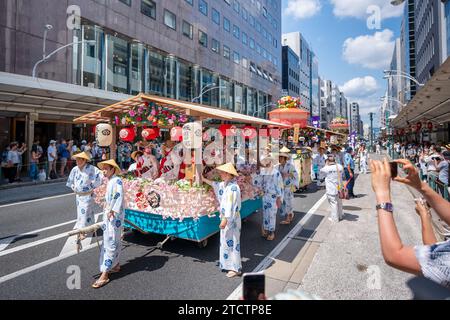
(355, 119)
(290, 72)
(428, 35)
(309, 70)
(326, 106)
(175, 49)
(408, 41)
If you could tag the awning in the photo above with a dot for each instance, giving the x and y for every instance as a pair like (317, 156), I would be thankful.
(19, 93)
(431, 103)
(188, 108)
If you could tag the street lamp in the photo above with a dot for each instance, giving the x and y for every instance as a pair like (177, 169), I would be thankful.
(46, 56)
(203, 91)
(395, 100)
(263, 107)
(389, 74)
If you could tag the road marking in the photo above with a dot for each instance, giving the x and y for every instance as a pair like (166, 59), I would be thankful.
(265, 263)
(44, 264)
(70, 243)
(38, 242)
(35, 200)
(5, 242)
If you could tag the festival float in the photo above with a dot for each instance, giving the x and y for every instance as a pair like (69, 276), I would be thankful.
(177, 208)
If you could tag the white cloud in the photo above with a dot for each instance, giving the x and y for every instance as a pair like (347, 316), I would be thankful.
(302, 9)
(360, 87)
(358, 8)
(370, 51)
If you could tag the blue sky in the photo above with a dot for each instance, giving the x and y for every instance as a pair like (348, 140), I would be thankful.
(350, 54)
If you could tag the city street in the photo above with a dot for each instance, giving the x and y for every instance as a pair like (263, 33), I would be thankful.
(35, 254)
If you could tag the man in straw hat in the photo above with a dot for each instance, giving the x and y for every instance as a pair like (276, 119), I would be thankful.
(113, 219)
(83, 179)
(271, 182)
(228, 195)
(291, 180)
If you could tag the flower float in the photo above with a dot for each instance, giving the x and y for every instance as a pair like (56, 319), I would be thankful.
(289, 102)
(152, 114)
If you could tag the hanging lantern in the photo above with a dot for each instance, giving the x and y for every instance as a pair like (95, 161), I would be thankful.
(176, 134)
(103, 134)
(127, 134)
(419, 126)
(227, 130)
(150, 133)
(192, 135)
(430, 126)
(248, 132)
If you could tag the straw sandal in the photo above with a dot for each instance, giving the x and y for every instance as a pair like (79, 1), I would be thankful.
(264, 233)
(100, 283)
(271, 236)
(232, 274)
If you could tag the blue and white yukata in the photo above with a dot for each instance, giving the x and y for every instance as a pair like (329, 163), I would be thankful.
(229, 198)
(290, 185)
(271, 183)
(83, 182)
(112, 228)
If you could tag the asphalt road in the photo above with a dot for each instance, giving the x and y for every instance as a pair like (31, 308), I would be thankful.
(36, 255)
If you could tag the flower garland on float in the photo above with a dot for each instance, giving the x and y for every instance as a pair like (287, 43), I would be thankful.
(152, 114)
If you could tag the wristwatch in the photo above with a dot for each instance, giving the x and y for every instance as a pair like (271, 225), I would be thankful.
(385, 206)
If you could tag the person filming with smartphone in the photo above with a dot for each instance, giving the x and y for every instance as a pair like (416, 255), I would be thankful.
(430, 260)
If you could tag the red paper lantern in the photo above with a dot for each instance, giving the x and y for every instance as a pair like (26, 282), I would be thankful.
(419, 126)
(176, 134)
(150, 133)
(248, 132)
(430, 126)
(127, 134)
(227, 130)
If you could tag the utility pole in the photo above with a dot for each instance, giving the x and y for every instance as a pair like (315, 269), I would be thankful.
(371, 130)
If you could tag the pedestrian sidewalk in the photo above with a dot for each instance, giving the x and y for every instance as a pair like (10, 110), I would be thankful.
(343, 260)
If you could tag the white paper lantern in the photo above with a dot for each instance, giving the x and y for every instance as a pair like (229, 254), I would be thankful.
(192, 135)
(103, 134)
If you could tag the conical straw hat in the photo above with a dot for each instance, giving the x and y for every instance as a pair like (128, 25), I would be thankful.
(112, 163)
(229, 168)
(82, 155)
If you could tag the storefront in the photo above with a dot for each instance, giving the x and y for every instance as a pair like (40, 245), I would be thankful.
(426, 118)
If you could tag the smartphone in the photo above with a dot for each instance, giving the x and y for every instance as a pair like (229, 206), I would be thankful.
(254, 285)
(394, 169)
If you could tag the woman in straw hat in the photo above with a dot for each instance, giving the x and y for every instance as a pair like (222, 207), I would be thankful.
(83, 179)
(271, 182)
(228, 194)
(291, 180)
(113, 219)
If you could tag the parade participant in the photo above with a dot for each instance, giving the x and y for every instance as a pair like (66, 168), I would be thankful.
(333, 173)
(271, 182)
(291, 180)
(113, 219)
(319, 163)
(363, 158)
(349, 170)
(228, 195)
(149, 161)
(133, 167)
(83, 179)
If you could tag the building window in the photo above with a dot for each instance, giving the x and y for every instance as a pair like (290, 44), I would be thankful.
(245, 62)
(226, 24)
(226, 52)
(251, 43)
(202, 38)
(191, 2)
(215, 45)
(170, 19)
(188, 29)
(148, 7)
(127, 2)
(215, 16)
(203, 7)
(118, 64)
(244, 38)
(244, 14)
(236, 6)
(236, 31)
(236, 57)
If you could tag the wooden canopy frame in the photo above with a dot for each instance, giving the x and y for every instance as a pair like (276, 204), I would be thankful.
(190, 109)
